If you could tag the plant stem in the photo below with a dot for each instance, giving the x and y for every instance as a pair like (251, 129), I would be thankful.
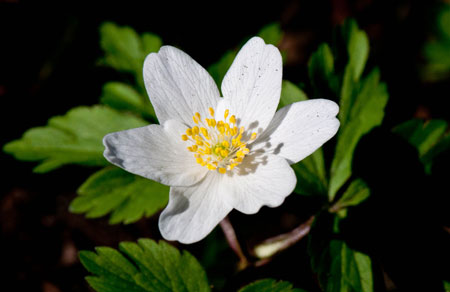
(230, 235)
(281, 242)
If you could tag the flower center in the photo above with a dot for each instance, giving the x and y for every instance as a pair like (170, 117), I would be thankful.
(217, 145)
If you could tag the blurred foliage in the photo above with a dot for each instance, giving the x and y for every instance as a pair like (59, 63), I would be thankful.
(430, 138)
(437, 49)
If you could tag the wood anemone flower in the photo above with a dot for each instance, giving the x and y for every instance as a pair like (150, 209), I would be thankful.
(220, 153)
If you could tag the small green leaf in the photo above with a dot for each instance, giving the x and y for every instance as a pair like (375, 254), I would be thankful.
(338, 267)
(357, 47)
(270, 285)
(125, 50)
(126, 196)
(447, 286)
(430, 138)
(290, 93)
(75, 138)
(320, 69)
(358, 51)
(271, 33)
(367, 112)
(356, 193)
(143, 267)
(150, 43)
(122, 46)
(122, 96)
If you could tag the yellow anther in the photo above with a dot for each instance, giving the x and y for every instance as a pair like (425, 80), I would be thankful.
(199, 142)
(233, 119)
(184, 137)
(198, 116)
(239, 159)
(213, 123)
(224, 152)
(225, 144)
(195, 119)
(211, 111)
(189, 132)
(245, 150)
(211, 167)
(240, 154)
(221, 129)
(253, 137)
(225, 115)
(241, 130)
(199, 160)
(195, 130)
(204, 131)
(193, 148)
(208, 151)
(222, 170)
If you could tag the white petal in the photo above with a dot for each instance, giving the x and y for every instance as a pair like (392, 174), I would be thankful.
(253, 84)
(193, 212)
(178, 86)
(261, 180)
(155, 152)
(299, 129)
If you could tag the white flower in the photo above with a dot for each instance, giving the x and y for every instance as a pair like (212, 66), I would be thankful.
(219, 154)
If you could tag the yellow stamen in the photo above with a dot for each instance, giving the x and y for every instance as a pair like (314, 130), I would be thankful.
(211, 111)
(233, 119)
(253, 137)
(225, 115)
(222, 170)
(184, 137)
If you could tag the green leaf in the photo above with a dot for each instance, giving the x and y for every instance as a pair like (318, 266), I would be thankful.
(290, 93)
(150, 43)
(430, 138)
(126, 196)
(75, 138)
(143, 267)
(122, 46)
(271, 33)
(338, 267)
(447, 286)
(270, 285)
(122, 96)
(366, 112)
(320, 69)
(357, 47)
(356, 193)
(125, 50)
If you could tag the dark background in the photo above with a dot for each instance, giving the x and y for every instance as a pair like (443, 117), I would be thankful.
(48, 64)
